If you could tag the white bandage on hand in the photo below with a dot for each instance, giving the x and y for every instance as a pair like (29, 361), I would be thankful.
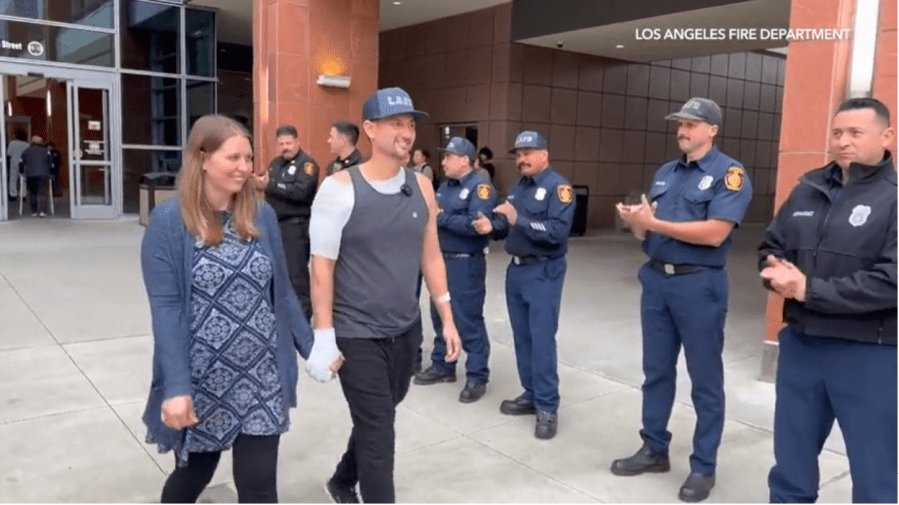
(324, 352)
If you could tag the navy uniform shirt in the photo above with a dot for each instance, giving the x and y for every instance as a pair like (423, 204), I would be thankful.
(713, 187)
(545, 206)
(461, 200)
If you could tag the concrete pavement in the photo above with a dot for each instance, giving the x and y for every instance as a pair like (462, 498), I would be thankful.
(75, 351)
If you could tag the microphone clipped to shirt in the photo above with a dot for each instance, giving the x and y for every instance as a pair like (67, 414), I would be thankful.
(406, 190)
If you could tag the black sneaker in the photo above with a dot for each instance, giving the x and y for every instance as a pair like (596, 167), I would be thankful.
(340, 493)
(433, 375)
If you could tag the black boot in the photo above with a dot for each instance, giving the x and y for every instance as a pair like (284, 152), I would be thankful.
(645, 460)
(434, 375)
(518, 407)
(697, 487)
(547, 424)
(473, 391)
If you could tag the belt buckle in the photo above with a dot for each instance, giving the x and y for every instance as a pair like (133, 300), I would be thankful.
(669, 269)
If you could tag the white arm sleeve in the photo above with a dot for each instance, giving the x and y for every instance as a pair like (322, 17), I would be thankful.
(331, 210)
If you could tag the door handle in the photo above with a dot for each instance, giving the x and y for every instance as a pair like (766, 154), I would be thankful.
(78, 154)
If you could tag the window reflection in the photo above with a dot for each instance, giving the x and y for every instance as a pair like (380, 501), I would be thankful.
(200, 42)
(200, 100)
(150, 35)
(150, 110)
(96, 13)
(52, 43)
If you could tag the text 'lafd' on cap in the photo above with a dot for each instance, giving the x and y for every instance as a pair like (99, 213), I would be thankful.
(528, 140)
(389, 102)
(460, 146)
(698, 109)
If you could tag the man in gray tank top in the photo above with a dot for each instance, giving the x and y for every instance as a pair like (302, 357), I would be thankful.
(371, 227)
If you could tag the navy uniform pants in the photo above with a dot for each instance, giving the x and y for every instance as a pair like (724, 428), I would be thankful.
(295, 237)
(821, 379)
(684, 310)
(466, 278)
(534, 296)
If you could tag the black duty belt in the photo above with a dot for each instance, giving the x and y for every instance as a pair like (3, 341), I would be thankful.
(452, 256)
(671, 269)
(527, 260)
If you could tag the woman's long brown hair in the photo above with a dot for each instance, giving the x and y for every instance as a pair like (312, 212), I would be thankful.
(206, 137)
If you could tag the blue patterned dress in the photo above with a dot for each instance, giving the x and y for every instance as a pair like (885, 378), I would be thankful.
(232, 345)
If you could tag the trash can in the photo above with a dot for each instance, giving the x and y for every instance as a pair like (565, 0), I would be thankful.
(155, 188)
(581, 195)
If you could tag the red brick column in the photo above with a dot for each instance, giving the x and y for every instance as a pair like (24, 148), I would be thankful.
(294, 41)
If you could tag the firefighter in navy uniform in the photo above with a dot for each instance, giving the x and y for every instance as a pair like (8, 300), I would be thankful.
(293, 179)
(831, 253)
(342, 139)
(463, 196)
(536, 220)
(694, 203)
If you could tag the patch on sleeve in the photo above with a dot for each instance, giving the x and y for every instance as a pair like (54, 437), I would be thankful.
(483, 191)
(565, 193)
(308, 167)
(733, 179)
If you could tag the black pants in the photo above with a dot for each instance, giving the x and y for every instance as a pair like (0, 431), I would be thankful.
(375, 379)
(37, 193)
(295, 237)
(255, 461)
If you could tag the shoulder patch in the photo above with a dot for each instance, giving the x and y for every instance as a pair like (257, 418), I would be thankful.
(733, 179)
(483, 191)
(565, 193)
(308, 167)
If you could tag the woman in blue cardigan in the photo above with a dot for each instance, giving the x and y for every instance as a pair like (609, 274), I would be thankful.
(226, 322)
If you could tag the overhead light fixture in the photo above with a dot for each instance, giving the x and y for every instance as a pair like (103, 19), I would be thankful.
(49, 103)
(334, 81)
(397, 3)
(619, 46)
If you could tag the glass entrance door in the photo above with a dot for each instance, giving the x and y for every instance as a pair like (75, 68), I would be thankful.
(92, 160)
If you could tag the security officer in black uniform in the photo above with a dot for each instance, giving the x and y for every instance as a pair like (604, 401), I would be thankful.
(342, 140)
(831, 253)
(293, 179)
(463, 196)
(694, 203)
(537, 221)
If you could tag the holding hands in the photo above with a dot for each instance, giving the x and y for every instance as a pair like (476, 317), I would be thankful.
(325, 358)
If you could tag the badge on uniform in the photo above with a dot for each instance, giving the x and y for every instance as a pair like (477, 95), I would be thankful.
(463, 194)
(540, 194)
(705, 183)
(308, 167)
(859, 215)
(565, 193)
(733, 179)
(483, 191)
(292, 169)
